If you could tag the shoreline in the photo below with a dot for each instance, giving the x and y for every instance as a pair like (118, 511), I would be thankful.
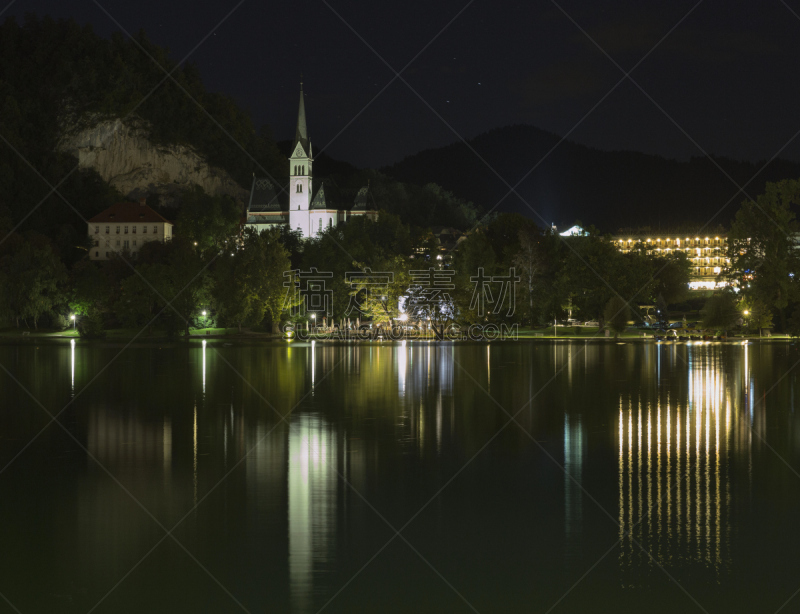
(122, 337)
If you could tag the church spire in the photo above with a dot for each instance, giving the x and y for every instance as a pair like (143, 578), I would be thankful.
(301, 133)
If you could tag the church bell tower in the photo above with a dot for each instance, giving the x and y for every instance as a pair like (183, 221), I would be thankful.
(300, 174)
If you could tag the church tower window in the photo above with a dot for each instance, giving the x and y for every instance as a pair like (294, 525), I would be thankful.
(299, 188)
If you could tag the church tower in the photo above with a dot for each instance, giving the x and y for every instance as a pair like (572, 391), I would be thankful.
(300, 174)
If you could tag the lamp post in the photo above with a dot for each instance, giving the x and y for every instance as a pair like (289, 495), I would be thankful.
(74, 325)
(314, 321)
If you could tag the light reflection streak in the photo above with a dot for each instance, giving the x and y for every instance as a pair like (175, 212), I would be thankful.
(696, 527)
(194, 454)
(72, 364)
(204, 366)
(313, 364)
(402, 366)
(312, 478)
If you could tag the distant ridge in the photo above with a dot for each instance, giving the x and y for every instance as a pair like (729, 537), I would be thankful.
(609, 189)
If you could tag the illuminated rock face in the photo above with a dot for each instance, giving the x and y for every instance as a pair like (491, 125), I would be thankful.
(123, 155)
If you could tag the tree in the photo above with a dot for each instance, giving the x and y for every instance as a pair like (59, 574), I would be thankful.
(662, 312)
(616, 315)
(671, 277)
(249, 284)
(33, 279)
(720, 312)
(762, 250)
(174, 289)
(755, 313)
(211, 222)
(89, 297)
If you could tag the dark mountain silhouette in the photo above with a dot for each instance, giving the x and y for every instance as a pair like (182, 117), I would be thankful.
(610, 189)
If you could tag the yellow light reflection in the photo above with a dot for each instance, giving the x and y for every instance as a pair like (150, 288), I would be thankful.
(678, 508)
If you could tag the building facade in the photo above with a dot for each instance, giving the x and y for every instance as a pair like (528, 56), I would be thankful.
(708, 255)
(126, 227)
(309, 210)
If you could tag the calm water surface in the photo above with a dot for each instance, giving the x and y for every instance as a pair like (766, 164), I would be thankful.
(275, 478)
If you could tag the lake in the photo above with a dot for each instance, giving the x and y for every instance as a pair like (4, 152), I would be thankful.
(525, 476)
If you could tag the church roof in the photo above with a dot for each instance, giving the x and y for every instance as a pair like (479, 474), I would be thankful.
(363, 200)
(262, 196)
(319, 201)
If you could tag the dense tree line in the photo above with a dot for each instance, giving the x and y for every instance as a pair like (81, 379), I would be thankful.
(209, 275)
(764, 252)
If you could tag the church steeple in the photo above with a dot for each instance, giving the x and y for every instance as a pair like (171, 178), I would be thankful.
(301, 133)
(300, 186)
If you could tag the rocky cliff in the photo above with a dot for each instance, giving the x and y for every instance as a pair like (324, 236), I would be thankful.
(124, 156)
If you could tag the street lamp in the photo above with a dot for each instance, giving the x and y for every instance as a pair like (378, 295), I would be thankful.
(747, 313)
(72, 317)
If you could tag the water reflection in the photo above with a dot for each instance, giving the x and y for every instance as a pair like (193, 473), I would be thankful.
(312, 480)
(674, 456)
(662, 432)
(574, 448)
(72, 365)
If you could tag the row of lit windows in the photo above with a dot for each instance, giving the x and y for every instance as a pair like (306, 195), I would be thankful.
(706, 250)
(677, 242)
(108, 229)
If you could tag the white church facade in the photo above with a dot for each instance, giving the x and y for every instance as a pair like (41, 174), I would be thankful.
(308, 210)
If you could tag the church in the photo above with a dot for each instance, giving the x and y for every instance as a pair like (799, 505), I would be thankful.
(308, 209)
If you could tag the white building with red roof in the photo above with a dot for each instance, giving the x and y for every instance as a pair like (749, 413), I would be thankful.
(126, 227)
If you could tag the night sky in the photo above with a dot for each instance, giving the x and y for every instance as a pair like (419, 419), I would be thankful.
(728, 75)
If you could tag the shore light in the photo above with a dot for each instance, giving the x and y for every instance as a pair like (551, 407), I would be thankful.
(72, 317)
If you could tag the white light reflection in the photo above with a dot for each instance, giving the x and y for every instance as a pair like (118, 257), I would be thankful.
(312, 483)
(313, 363)
(204, 366)
(72, 350)
(194, 454)
(573, 473)
(402, 365)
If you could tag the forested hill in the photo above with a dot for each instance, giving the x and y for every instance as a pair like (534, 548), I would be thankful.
(57, 77)
(60, 81)
(610, 189)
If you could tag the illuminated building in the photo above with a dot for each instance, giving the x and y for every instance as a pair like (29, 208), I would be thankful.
(126, 227)
(311, 208)
(708, 255)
